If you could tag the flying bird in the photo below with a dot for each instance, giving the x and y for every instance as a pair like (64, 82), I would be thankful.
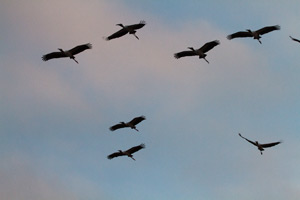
(199, 52)
(261, 146)
(70, 53)
(295, 39)
(130, 124)
(255, 34)
(128, 152)
(131, 29)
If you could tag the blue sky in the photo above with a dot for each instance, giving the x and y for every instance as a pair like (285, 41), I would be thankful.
(55, 115)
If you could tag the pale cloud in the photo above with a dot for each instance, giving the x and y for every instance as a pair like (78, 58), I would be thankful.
(29, 89)
(23, 178)
(20, 180)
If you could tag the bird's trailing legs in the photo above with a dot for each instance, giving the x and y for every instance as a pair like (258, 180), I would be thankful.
(131, 157)
(136, 36)
(133, 33)
(203, 56)
(206, 60)
(75, 60)
(259, 41)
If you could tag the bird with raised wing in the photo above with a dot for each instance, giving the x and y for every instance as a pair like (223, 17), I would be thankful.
(132, 124)
(69, 53)
(261, 146)
(131, 29)
(128, 152)
(199, 52)
(255, 34)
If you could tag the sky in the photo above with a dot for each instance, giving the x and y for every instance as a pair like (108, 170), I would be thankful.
(55, 115)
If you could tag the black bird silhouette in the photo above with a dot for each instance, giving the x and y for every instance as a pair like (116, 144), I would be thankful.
(131, 29)
(130, 124)
(128, 152)
(255, 34)
(199, 52)
(261, 146)
(70, 53)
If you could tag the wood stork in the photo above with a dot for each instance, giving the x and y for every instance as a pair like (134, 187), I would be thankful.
(255, 34)
(199, 52)
(261, 146)
(70, 53)
(130, 124)
(295, 39)
(131, 29)
(128, 152)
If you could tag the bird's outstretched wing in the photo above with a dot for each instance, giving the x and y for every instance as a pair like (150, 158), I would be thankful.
(295, 39)
(137, 26)
(113, 155)
(80, 48)
(247, 140)
(268, 29)
(135, 149)
(137, 120)
(53, 55)
(270, 144)
(239, 34)
(209, 45)
(184, 54)
(117, 34)
(117, 126)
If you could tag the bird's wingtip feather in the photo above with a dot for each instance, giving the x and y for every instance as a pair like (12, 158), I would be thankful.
(217, 42)
(89, 45)
(44, 58)
(105, 38)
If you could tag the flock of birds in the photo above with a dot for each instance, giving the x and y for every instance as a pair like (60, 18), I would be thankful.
(201, 52)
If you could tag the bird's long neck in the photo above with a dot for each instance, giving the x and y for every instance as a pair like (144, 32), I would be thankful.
(120, 25)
